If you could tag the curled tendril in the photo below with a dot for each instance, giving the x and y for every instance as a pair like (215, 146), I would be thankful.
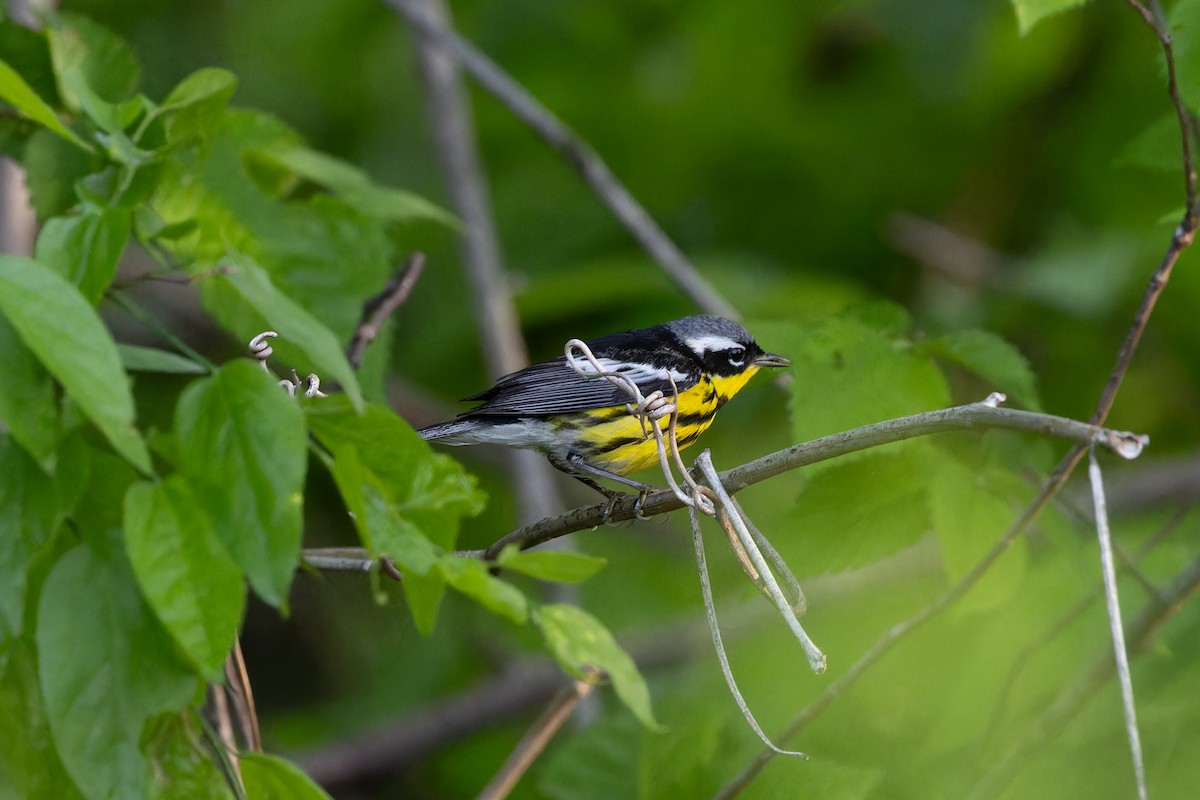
(650, 411)
(261, 349)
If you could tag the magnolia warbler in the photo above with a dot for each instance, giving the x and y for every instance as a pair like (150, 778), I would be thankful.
(585, 426)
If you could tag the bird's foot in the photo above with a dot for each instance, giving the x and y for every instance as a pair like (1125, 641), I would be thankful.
(641, 500)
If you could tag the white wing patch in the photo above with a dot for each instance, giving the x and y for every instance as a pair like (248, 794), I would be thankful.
(710, 344)
(638, 373)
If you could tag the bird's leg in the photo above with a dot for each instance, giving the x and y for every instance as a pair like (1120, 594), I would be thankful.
(611, 495)
(641, 499)
(576, 467)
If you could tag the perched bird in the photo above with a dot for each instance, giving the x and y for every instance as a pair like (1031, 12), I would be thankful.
(584, 425)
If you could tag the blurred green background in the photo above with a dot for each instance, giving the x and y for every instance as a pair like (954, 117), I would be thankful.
(809, 158)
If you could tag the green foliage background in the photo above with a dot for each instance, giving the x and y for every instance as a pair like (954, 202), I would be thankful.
(787, 147)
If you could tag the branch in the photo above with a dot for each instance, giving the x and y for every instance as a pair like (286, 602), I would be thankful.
(973, 416)
(500, 333)
(386, 751)
(1184, 233)
(1141, 633)
(377, 309)
(578, 153)
(1120, 652)
(238, 680)
(1152, 14)
(536, 738)
(969, 417)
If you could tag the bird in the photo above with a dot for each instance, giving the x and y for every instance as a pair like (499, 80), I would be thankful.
(587, 427)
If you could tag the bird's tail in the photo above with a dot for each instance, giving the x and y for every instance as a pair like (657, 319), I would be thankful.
(448, 430)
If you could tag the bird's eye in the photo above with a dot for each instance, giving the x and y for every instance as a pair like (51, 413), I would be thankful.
(737, 356)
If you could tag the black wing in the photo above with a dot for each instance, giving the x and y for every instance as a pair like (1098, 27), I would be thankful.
(552, 387)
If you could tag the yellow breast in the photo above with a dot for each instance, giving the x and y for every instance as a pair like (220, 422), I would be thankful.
(613, 439)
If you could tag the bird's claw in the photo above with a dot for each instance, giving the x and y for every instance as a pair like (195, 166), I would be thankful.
(606, 518)
(641, 500)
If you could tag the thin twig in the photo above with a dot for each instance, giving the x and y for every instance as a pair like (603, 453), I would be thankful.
(797, 600)
(816, 659)
(714, 627)
(377, 309)
(536, 738)
(1184, 233)
(1152, 15)
(578, 153)
(968, 417)
(972, 416)
(523, 686)
(1121, 656)
(338, 559)
(958, 258)
(649, 411)
(1180, 241)
(901, 630)
(222, 740)
(1065, 620)
(1087, 682)
(226, 739)
(243, 697)
(131, 307)
(453, 129)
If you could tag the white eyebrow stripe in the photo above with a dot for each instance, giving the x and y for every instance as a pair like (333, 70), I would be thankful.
(709, 344)
(638, 373)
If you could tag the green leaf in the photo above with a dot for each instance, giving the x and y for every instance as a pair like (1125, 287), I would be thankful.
(270, 778)
(1184, 19)
(969, 519)
(428, 490)
(424, 596)
(28, 53)
(17, 93)
(243, 447)
(406, 501)
(183, 767)
(381, 525)
(196, 104)
(296, 327)
(860, 510)
(96, 70)
(470, 576)
(187, 577)
(63, 330)
(30, 767)
(827, 778)
(578, 640)
(27, 405)
(355, 188)
(990, 357)
(1156, 147)
(104, 60)
(854, 369)
(53, 168)
(595, 761)
(85, 248)
(551, 565)
(28, 516)
(106, 667)
(200, 87)
(150, 359)
(1030, 12)
(317, 250)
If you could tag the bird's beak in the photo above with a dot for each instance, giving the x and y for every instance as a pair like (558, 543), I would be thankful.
(771, 360)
